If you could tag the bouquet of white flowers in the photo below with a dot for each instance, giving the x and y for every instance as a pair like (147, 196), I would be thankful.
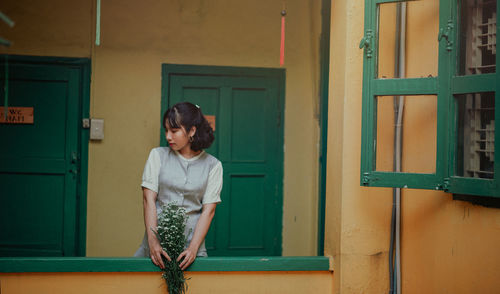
(170, 232)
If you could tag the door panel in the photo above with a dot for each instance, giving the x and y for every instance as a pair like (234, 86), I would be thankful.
(249, 135)
(39, 162)
(247, 110)
(247, 191)
(31, 218)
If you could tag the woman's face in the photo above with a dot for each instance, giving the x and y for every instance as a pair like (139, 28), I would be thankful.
(178, 138)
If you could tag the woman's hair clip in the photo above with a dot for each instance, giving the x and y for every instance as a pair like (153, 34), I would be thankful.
(197, 106)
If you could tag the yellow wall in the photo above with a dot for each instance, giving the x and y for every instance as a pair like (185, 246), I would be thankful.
(200, 282)
(54, 29)
(357, 218)
(447, 246)
(136, 38)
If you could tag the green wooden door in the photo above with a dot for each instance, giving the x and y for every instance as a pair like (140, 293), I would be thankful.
(39, 162)
(248, 129)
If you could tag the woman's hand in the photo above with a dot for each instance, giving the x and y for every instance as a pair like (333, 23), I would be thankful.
(150, 219)
(200, 231)
(189, 256)
(156, 252)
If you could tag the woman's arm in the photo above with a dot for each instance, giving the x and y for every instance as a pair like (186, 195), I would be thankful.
(200, 231)
(151, 222)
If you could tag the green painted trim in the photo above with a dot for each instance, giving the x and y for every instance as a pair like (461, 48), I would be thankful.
(323, 120)
(98, 23)
(368, 44)
(208, 264)
(281, 157)
(188, 69)
(6, 87)
(474, 84)
(25, 59)
(165, 89)
(417, 86)
(474, 186)
(404, 180)
(443, 88)
(81, 248)
(70, 223)
(278, 73)
(391, 1)
(5, 42)
(6, 19)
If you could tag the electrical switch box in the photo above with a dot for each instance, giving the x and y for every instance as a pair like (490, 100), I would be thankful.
(96, 129)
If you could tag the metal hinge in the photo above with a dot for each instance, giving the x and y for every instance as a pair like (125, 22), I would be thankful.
(366, 43)
(446, 184)
(86, 123)
(447, 33)
(366, 179)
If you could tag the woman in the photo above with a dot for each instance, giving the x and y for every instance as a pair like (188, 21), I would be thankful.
(185, 174)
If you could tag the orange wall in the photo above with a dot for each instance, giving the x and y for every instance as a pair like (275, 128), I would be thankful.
(151, 282)
(447, 246)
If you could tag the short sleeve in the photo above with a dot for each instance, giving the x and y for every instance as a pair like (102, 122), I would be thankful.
(214, 185)
(152, 171)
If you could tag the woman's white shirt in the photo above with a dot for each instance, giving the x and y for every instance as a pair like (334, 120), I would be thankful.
(152, 168)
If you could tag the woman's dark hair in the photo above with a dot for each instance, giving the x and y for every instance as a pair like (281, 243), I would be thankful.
(188, 115)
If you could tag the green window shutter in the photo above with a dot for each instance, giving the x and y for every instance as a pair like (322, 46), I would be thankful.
(376, 89)
(473, 101)
(465, 90)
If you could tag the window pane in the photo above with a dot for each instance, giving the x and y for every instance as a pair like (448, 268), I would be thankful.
(419, 45)
(478, 26)
(476, 135)
(418, 121)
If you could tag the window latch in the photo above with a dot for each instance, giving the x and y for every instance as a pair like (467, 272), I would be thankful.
(446, 33)
(366, 43)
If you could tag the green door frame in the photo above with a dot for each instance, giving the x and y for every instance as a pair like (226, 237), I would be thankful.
(323, 141)
(83, 64)
(280, 74)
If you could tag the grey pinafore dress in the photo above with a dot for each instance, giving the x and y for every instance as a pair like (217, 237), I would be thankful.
(184, 182)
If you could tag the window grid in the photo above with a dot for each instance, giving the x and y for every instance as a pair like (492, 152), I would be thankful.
(480, 76)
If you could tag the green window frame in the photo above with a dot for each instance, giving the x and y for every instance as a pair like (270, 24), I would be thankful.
(446, 86)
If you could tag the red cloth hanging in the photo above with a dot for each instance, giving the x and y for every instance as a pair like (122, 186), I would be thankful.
(282, 45)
